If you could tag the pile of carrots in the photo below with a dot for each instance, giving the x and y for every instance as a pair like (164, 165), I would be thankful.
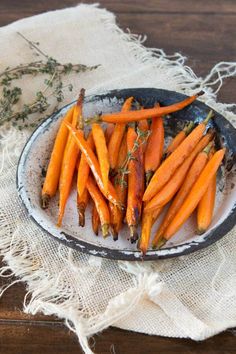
(128, 175)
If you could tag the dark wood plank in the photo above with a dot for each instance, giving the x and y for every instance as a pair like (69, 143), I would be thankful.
(45, 339)
(10, 9)
(195, 35)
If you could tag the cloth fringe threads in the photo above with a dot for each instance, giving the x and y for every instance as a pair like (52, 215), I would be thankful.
(171, 298)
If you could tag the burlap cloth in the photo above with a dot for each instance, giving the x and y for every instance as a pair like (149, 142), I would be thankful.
(191, 296)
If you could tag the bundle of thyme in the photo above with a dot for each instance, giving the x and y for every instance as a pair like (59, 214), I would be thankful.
(11, 94)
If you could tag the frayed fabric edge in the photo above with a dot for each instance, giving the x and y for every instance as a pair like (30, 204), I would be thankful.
(17, 258)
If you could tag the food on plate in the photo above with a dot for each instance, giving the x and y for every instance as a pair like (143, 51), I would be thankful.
(122, 168)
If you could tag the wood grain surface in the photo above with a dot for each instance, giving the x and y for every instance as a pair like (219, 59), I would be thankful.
(202, 30)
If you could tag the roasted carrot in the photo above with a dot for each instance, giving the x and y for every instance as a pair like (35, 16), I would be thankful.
(117, 215)
(148, 219)
(147, 222)
(191, 177)
(95, 220)
(54, 168)
(135, 185)
(82, 203)
(83, 170)
(173, 185)
(94, 165)
(69, 160)
(170, 165)
(198, 190)
(109, 131)
(206, 205)
(117, 135)
(177, 140)
(154, 149)
(102, 153)
(101, 205)
(125, 117)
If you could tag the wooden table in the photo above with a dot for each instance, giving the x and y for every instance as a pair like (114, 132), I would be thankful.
(203, 30)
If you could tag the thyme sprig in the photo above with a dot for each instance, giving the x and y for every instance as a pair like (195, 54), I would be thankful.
(54, 86)
(141, 139)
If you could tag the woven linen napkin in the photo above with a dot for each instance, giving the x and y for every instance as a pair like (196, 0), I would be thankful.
(192, 296)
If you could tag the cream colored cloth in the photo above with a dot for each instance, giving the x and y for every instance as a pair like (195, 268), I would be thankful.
(191, 296)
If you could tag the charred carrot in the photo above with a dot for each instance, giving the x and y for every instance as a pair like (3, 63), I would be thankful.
(94, 165)
(117, 215)
(191, 177)
(82, 203)
(125, 117)
(173, 185)
(135, 185)
(117, 135)
(95, 220)
(101, 205)
(170, 165)
(206, 206)
(83, 170)
(177, 140)
(196, 193)
(102, 153)
(54, 168)
(109, 131)
(154, 149)
(69, 160)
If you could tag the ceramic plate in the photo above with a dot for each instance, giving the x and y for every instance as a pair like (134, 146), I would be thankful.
(36, 153)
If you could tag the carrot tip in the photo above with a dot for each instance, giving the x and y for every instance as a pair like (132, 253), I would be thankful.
(114, 233)
(200, 93)
(105, 230)
(161, 243)
(45, 201)
(201, 231)
(148, 177)
(133, 234)
(81, 218)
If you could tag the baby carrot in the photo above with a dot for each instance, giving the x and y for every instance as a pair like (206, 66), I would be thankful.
(117, 135)
(173, 185)
(196, 193)
(54, 168)
(206, 206)
(102, 153)
(154, 149)
(191, 177)
(147, 222)
(83, 170)
(101, 205)
(69, 160)
(135, 185)
(82, 203)
(125, 117)
(178, 139)
(94, 165)
(109, 131)
(95, 219)
(169, 166)
(117, 215)
(148, 219)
